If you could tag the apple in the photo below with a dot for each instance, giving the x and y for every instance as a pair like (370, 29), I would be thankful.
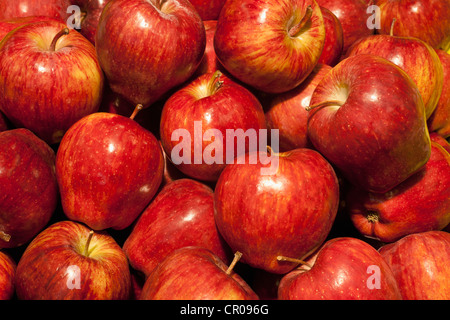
(108, 169)
(271, 46)
(29, 187)
(419, 262)
(287, 113)
(51, 76)
(344, 268)
(334, 39)
(287, 212)
(428, 20)
(90, 15)
(181, 215)
(420, 203)
(147, 48)
(195, 273)
(56, 9)
(8, 25)
(435, 137)
(208, 9)
(212, 103)
(3, 122)
(367, 117)
(7, 276)
(209, 63)
(68, 261)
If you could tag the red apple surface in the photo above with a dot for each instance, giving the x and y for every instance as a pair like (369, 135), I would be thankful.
(52, 77)
(56, 9)
(29, 188)
(7, 276)
(8, 25)
(334, 39)
(343, 269)
(435, 137)
(147, 48)
(287, 212)
(419, 204)
(67, 261)
(208, 9)
(181, 215)
(211, 104)
(428, 20)
(90, 16)
(368, 119)
(195, 273)
(270, 45)
(209, 63)
(3, 122)
(108, 169)
(419, 262)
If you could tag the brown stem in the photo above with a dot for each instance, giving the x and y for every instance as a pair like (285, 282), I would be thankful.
(56, 38)
(214, 83)
(4, 236)
(372, 216)
(324, 104)
(138, 108)
(299, 261)
(88, 242)
(159, 3)
(391, 32)
(237, 257)
(293, 32)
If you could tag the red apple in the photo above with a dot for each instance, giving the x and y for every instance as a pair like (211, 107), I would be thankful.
(67, 261)
(8, 25)
(428, 20)
(3, 122)
(343, 269)
(368, 119)
(29, 188)
(209, 63)
(147, 48)
(270, 45)
(90, 16)
(440, 140)
(208, 9)
(195, 273)
(7, 276)
(108, 169)
(181, 215)
(212, 105)
(334, 39)
(56, 9)
(52, 78)
(419, 262)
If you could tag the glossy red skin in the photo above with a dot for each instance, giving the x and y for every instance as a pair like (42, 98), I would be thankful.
(208, 9)
(195, 273)
(92, 9)
(103, 188)
(181, 215)
(231, 107)
(41, 270)
(8, 25)
(262, 54)
(173, 48)
(428, 20)
(7, 276)
(3, 122)
(29, 188)
(378, 137)
(439, 121)
(420, 265)
(334, 39)
(353, 17)
(415, 57)
(286, 111)
(209, 63)
(440, 140)
(339, 272)
(70, 78)
(419, 204)
(56, 9)
(288, 213)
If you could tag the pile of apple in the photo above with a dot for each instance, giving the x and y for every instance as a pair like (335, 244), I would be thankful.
(94, 205)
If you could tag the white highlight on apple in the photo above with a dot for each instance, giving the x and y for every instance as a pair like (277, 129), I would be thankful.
(374, 280)
(73, 277)
(74, 21)
(374, 21)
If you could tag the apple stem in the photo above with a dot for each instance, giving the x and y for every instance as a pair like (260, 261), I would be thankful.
(214, 84)
(372, 216)
(391, 32)
(88, 242)
(56, 38)
(4, 236)
(138, 108)
(283, 258)
(159, 3)
(324, 104)
(295, 30)
(237, 257)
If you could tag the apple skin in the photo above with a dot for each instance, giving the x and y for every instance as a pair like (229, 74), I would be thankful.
(145, 51)
(334, 39)
(339, 271)
(7, 276)
(435, 137)
(108, 169)
(287, 213)
(286, 111)
(419, 204)
(208, 9)
(3, 122)
(181, 215)
(264, 55)
(91, 10)
(30, 191)
(195, 273)
(427, 20)
(56, 9)
(8, 25)
(419, 262)
(43, 269)
(48, 90)
(373, 131)
(209, 63)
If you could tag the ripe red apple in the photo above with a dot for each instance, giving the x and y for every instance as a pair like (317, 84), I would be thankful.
(67, 261)
(209, 63)
(419, 262)
(56, 9)
(195, 273)
(208, 9)
(428, 20)
(271, 46)
(344, 268)
(435, 137)
(108, 169)
(334, 39)
(288, 212)
(419, 204)
(29, 188)
(181, 215)
(52, 78)
(147, 48)
(90, 15)
(211, 104)
(368, 119)
(8, 25)
(3, 122)
(7, 276)
(286, 111)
